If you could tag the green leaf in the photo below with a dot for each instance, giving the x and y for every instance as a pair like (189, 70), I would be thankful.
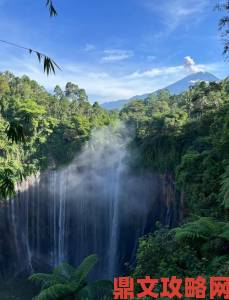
(49, 65)
(7, 183)
(203, 228)
(64, 270)
(84, 268)
(46, 280)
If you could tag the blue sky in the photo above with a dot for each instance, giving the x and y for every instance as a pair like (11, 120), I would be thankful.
(114, 49)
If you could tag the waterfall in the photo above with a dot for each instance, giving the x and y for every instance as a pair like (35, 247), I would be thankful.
(26, 236)
(113, 248)
(55, 244)
(61, 220)
(97, 204)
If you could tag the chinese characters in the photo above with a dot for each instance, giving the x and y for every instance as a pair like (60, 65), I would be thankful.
(124, 288)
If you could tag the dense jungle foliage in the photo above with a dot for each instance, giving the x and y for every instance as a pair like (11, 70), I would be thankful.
(40, 130)
(186, 138)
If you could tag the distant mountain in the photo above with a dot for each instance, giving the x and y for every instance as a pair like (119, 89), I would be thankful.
(175, 88)
(183, 84)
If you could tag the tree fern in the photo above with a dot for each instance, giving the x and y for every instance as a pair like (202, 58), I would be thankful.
(66, 281)
(203, 228)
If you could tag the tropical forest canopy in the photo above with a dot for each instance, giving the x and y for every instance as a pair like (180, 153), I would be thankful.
(186, 137)
(39, 130)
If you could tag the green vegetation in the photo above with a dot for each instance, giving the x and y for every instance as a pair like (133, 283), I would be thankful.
(185, 138)
(39, 130)
(67, 282)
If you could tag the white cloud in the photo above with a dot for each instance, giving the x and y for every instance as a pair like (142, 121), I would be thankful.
(113, 55)
(102, 83)
(155, 72)
(191, 66)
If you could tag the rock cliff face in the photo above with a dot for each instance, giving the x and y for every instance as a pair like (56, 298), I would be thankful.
(173, 200)
(55, 219)
(95, 205)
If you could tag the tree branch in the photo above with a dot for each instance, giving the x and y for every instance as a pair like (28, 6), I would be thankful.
(49, 64)
(51, 8)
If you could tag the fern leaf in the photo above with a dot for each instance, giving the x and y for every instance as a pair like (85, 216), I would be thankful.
(203, 228)
(46, 280)
(64, 270)
(84, 268)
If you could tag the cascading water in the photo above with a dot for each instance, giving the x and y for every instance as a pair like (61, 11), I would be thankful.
(115, 220)
(61, 221)
(95, 205)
